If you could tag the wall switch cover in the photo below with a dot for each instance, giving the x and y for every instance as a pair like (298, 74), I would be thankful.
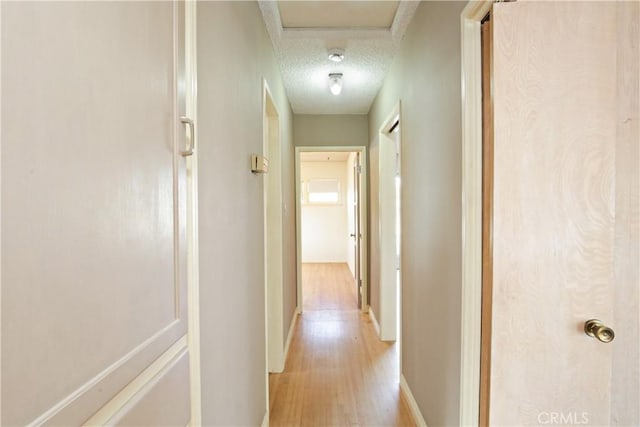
(259, 164)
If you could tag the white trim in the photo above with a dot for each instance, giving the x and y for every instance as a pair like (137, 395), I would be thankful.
(376, 325)
(387, 285)
(292, 327)
(161, 365)
(470, 20)
(137, 358)
(296, 165)
(394, 33)
(265, 420)
(404, 15)
(340, 33)
(273, 244)
(193, 293)
(364, 203)
(414, 409)
(0, 226)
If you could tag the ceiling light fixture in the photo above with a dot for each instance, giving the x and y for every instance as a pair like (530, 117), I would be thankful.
(336, 55)
(335, 83)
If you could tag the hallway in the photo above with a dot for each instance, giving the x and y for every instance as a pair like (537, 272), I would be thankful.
(337, 371)
(158, 160)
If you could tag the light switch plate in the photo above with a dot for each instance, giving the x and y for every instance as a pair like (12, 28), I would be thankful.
(259, 164)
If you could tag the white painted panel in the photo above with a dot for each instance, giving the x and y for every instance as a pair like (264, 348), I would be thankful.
(162, 402)
(89, 294)
(324, 227)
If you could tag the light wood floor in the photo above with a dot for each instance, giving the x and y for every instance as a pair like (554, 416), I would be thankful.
(337, 373)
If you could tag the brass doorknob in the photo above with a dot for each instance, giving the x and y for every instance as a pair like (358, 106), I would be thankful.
(596, 329)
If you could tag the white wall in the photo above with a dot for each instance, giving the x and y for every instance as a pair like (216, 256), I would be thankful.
(324, 227)
(231, 209)
(425, 75)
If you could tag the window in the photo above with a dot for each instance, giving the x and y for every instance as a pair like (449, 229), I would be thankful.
(322, 191)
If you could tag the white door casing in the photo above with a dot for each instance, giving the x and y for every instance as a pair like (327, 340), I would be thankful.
(387, 172)
(357, 228)
(274, 286)
(362, 220)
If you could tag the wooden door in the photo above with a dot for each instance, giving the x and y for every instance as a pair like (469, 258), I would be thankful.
(94, 288)
(565, 94)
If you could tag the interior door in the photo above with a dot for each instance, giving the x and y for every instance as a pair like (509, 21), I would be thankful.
(565, 93)
(357, 233)
(94, 288)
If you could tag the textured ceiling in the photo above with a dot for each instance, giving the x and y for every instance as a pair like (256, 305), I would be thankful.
(302, 53)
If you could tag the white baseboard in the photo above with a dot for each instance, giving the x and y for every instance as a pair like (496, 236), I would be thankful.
(411, 401)
(265, 420)
(376, 325)
(294, 320)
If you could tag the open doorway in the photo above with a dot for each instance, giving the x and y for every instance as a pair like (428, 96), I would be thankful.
(326, 218)
(331, 221)
(337, 367)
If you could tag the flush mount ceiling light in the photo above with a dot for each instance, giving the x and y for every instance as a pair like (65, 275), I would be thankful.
(335, 83)
(336, 55)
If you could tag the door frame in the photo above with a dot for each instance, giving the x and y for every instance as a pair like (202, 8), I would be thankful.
(471, 61)
(363, 218)
(273, 239)
(389, 330)
(193, 283)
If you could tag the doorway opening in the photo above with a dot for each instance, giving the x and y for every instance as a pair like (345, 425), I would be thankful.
(331, 218)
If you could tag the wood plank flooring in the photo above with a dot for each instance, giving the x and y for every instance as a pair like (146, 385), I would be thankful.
(337, 373)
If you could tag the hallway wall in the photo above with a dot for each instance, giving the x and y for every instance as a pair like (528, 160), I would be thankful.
(231, 209)
(425, 76)
(318, 130)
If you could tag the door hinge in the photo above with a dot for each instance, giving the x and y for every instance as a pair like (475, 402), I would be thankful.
(359, 168)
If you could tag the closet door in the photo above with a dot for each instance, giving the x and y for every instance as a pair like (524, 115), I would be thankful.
(565, 211)
(93, 214)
